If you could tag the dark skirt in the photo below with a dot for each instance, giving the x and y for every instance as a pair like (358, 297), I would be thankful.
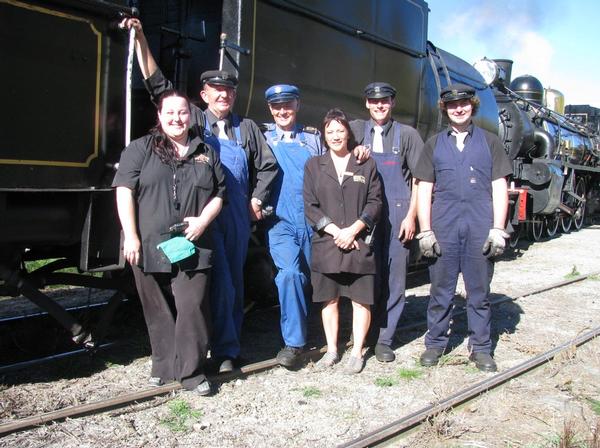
(357, 287)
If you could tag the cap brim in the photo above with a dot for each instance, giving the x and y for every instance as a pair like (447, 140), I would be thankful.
(457, 98)
(282, 99)
(376, 96)
(220, 82)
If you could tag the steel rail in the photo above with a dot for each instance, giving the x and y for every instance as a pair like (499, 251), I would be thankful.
(250, 369)
(398, 427)
(51, 358)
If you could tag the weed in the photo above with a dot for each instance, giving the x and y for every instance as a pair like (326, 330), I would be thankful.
(110, 364)
(574, 272)
(386, 381)
(181, 416)
(409, 374)
(595, 405)
(311, 391)
(452, 360)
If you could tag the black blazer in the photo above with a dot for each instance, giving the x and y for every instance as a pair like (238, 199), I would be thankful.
(326, 201)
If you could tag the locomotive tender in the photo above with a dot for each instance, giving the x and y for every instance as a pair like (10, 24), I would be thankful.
(65, 90)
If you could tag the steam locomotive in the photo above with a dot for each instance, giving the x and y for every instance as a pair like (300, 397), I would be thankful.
(65, 86)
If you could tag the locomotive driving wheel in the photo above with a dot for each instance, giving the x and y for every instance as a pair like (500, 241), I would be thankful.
(579, 215)
(552, 222)
(536, 228)
(514, 236)
(566, 220)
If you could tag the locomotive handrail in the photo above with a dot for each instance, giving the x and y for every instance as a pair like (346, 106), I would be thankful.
(544, 111)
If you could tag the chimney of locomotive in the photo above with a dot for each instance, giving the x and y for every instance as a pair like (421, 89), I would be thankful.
(506, 65)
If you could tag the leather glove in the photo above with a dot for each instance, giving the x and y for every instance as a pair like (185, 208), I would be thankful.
(495, 243)
(428, 244)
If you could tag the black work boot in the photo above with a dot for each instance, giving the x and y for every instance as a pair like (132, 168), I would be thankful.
(288, 356)
(384, 353)
(431, 357)
(484, 361)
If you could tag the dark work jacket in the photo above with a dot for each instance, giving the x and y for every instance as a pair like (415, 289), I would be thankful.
(326, 201)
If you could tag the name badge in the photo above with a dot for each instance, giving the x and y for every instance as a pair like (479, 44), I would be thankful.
(202, 158)
(473, 180)
(359, 178)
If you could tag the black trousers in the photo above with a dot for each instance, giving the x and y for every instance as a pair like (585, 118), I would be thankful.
(177, 314)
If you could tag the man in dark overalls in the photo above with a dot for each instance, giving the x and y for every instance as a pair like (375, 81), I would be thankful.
(395, 147)
(464, 168)
(289, 235)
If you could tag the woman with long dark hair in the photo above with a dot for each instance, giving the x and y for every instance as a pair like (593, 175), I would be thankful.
(170, 186)
(342, 201)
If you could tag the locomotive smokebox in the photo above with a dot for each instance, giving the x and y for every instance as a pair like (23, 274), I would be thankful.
(529, 87)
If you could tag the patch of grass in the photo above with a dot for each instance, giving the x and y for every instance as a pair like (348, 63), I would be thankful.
(471, 370)
(409, 374)
(386, 381)
(110, 364)
(595, 277)
(595, 405)
(574, 273)
(453, 360)
(181, 416)
(311, 392)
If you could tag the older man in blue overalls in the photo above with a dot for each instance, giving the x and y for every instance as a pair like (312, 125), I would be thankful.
(288, 233)
(464, 168)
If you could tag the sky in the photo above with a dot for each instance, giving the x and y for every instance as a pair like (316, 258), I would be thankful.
(557, 41)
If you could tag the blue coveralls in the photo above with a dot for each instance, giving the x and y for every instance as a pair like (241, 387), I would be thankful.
(231, 232)
(289, 235)
(391, 254)
(461, 216)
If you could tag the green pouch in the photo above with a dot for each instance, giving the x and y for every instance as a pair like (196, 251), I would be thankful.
(177, 248)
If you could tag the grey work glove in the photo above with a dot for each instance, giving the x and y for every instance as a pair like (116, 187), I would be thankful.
(428, 244)
(495, 243)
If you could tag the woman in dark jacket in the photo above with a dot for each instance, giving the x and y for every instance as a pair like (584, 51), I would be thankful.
(170, 177)
(342, 201)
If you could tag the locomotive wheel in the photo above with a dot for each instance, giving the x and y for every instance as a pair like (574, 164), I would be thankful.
(552, 222)
(536, 228)
(579, 215)
(565, 223)
(514, 237)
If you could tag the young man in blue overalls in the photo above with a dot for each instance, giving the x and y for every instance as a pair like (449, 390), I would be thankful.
(395, 147)
(464, 168)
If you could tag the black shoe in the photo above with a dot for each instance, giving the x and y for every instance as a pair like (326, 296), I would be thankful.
(431, 357)
(384, 353)
(288, 356)
(484, 361)
(226, 366)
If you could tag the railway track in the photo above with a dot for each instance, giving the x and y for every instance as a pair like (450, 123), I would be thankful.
(384, 434)
(398, 428)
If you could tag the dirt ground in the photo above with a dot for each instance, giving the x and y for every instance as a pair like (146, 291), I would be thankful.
(308, 408)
